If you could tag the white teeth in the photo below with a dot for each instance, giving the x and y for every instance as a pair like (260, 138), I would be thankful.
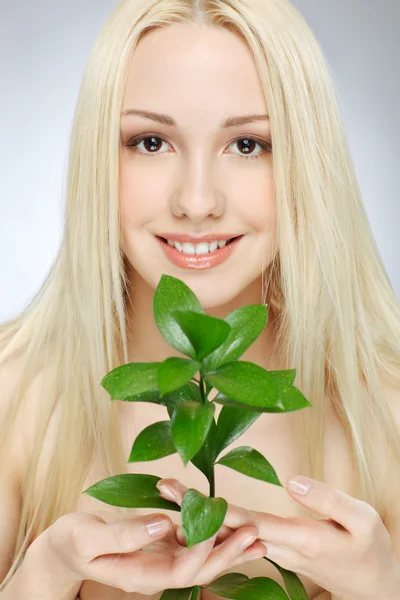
(202, 248)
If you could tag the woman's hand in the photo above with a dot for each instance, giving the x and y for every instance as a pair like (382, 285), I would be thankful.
(348, 554)
(139, 553)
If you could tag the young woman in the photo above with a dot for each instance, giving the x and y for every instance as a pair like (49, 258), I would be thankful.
(198, 122)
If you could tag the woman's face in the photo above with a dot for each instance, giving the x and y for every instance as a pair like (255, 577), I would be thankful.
(196, 177)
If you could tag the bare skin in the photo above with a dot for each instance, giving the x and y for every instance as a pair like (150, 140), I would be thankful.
(272, 435)
(199, 181)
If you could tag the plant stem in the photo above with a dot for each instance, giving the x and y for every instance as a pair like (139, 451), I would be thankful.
(212, 481)
(210, 462)
(195, 592)
(202, 391)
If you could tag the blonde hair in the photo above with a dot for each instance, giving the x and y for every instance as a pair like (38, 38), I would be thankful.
(339, 319)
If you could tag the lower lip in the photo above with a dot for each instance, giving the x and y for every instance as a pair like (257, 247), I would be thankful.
(201, 261)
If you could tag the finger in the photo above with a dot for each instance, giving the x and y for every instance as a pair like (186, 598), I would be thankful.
(95, 538)
(353, 514)
(190, 561)
(172, 490)
(285, 557)
(256, 551)
(223, 556)
(289, 532)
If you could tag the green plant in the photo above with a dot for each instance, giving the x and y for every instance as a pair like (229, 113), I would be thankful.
(213, 347)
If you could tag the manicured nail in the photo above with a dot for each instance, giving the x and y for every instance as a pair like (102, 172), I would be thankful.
(300, 485)
(158, 526)
(166, 493)
(259, 553)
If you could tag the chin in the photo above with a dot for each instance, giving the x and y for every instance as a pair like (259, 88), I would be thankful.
(211, 297)
(215, 287)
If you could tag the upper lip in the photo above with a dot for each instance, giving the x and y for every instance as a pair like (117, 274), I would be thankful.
(198, 238)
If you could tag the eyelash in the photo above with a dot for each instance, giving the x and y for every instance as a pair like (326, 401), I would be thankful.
(134, 142)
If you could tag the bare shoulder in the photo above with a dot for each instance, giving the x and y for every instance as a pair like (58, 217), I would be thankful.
(19, 441)
(13, 461)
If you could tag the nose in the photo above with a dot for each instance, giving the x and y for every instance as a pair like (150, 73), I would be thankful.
(198, 198)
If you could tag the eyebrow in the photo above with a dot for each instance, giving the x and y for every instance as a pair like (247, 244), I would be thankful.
(166, 120)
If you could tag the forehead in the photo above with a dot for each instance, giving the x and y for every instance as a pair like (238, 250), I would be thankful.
(192, 69)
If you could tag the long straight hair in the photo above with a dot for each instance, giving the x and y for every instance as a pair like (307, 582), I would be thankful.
(338, 316)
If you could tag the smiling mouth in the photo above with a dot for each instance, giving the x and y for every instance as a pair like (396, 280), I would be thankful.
(205, 260)
(194, 244)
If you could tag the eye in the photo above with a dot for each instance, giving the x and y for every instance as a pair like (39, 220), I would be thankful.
(153, 143)
(249, 144)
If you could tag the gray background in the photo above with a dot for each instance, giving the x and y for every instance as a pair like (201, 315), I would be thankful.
(43, 50)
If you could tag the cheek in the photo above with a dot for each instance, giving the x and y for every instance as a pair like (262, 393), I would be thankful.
(139, 196)
(255, 199)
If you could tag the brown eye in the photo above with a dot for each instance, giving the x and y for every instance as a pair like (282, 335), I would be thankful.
(248, 145)
(152, 143)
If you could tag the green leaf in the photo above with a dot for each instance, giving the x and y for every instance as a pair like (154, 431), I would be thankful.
(153, 442)
(293, 584)
(179, 594)
(201, 516)
(239, 587)
(133, 382)
(247, 323)
(225, 401)
(173, 294)
(232, 423)
(250, 462)
(205, 457)
(249, 384)
(188, 392)
(287, 376)
(174, 372)
(204, 332)
(130, 491)
(190, 424)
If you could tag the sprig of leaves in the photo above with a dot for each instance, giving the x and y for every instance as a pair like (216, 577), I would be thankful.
(212, 348)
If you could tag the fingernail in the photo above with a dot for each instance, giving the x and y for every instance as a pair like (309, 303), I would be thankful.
(247, 541)
(300, 485)
(158, 526)
(260, 552)
(166, 493)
